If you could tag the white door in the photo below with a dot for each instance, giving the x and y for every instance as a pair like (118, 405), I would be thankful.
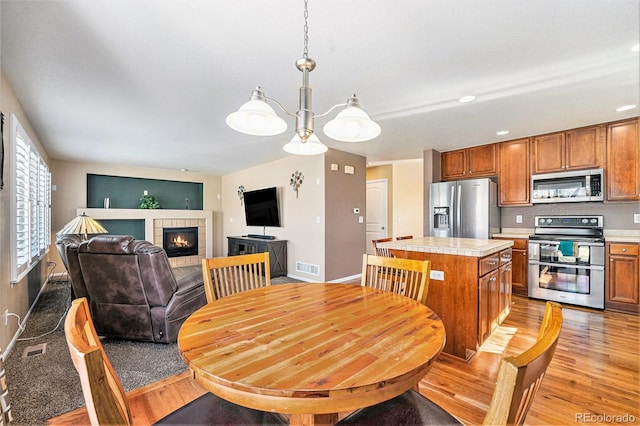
(377, 207)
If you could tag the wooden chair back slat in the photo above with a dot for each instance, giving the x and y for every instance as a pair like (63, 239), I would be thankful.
(103, 393)
(404, 237)
(519, 377)
(380, 251)
(407, 277)
(224, 276)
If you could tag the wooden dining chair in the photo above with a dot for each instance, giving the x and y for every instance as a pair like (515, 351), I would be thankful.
(404, 237)
(224, 276)
(408, 277)
(380, 251)
(104, 395)
(519, 379)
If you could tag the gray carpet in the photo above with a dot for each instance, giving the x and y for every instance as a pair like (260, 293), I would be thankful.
(46, 385)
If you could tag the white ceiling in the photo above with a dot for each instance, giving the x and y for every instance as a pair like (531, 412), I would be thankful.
(150, 82)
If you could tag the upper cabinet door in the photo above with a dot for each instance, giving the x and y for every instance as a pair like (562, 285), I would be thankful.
(548, 153)
(454, 164)
(584, 148)
(479, 161)
(514, 176)
(571, 150)
(482, 160)
(623, 161)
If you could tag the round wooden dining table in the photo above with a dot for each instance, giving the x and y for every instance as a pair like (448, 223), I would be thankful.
(311, 350)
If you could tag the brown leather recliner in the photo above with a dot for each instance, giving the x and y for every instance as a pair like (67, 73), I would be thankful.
(132, 291)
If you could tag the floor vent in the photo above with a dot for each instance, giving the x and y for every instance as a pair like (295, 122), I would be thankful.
(34, 350)
(308, 268)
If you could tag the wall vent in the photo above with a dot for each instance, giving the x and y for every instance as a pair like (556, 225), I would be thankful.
(308, 268)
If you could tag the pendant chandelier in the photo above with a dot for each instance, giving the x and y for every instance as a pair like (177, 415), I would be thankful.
(258, 118)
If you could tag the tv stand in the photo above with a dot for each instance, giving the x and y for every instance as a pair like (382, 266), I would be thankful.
(262, 237)
(259, 244)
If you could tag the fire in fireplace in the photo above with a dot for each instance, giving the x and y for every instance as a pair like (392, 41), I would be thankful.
(180, 241)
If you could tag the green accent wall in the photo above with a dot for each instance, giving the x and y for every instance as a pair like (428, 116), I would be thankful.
(125, 192)
(134, 227)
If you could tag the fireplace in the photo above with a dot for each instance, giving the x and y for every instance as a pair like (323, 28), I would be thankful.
(180, 241)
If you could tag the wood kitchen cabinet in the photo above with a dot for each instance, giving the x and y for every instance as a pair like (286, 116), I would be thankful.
(478, 161)
(571, 150)
(623, 161)
(623, 277)
(520, 265)
(494, 292)
(514, 173)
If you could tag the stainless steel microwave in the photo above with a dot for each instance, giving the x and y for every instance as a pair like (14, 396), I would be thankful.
(568, 187)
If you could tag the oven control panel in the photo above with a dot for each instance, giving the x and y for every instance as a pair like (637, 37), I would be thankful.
(569, 221)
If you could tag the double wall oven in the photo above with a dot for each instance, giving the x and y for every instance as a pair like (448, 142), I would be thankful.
(566, 260)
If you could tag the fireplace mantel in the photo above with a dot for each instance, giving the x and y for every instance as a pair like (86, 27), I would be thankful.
(149, 216)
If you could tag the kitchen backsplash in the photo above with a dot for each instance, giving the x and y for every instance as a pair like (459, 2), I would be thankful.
(616, 215)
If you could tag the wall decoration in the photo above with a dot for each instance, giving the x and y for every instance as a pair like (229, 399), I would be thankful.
(149, 202)
(296, 180)
(241, 193)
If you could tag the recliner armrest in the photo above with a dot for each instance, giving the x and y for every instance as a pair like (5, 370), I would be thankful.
(187, 283)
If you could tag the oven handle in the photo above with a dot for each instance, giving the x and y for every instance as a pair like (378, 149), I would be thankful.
(557, 243)
(567, 265)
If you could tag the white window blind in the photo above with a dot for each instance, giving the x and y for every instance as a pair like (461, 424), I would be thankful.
(31, 204)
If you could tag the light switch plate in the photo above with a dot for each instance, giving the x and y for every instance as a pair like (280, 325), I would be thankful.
(636, 218)
(518, 218)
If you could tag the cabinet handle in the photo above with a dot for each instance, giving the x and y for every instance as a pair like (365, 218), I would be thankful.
(624, 249)
(524, 254)
(610, 259)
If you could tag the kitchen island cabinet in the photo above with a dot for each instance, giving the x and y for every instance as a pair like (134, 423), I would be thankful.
(469, 289)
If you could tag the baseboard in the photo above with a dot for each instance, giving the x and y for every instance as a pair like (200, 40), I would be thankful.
(337, 281)
(347, 279)
(19, 331)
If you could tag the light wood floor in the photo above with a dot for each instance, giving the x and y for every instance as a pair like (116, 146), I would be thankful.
(595, 372)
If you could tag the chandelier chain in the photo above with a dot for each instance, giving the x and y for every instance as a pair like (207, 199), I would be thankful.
(305, 53)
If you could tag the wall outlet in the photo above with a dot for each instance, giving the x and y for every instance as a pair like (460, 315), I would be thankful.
(6, 317)
(636, 218)
(436, 275)
(518, 218)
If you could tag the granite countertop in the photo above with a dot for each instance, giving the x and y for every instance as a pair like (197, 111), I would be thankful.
(622, 235)
(454, 246)
(514, 233)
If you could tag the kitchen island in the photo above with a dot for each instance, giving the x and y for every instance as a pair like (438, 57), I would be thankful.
(469, 289)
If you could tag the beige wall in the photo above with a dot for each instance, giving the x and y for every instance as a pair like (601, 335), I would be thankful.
(408, 195)
(70, 180)
(15, 298)
(302, 218)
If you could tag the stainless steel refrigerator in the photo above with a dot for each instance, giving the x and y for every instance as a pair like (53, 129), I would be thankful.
(464, 209)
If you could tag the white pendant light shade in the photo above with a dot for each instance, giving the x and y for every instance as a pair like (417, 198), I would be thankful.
(312, 146)
(352, 124)
(256, 118)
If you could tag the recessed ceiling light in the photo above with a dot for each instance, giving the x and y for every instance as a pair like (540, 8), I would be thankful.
(625, 108)
(636, 48)
(467, 99)
(502, 132)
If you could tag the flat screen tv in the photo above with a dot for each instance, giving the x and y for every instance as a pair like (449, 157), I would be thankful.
(261, 207)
